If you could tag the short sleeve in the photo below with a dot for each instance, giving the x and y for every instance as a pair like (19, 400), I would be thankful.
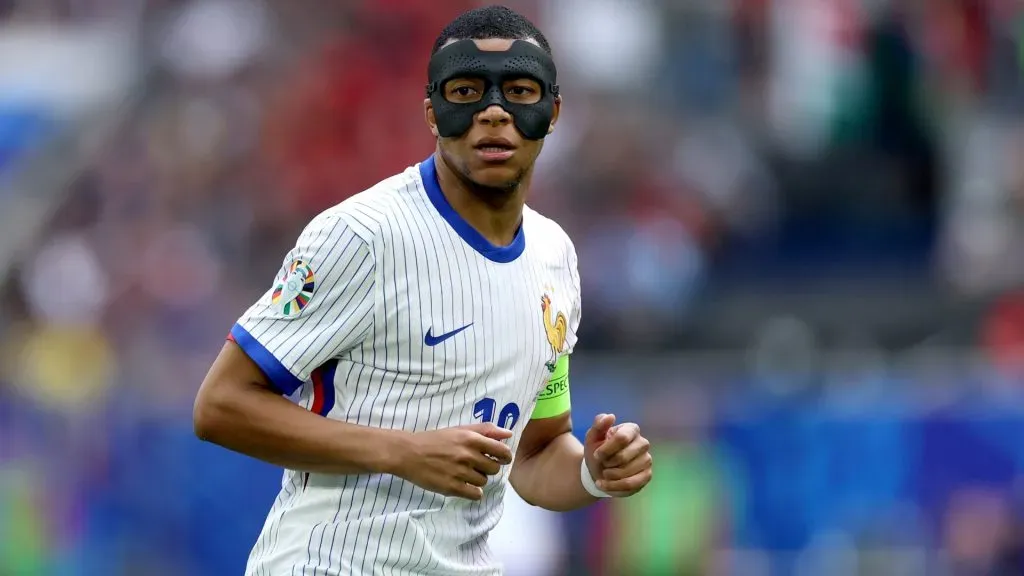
(319, 305)
(554, 399)
(575, 311)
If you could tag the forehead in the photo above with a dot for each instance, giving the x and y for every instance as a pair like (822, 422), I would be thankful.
(491, 58)
(492, 44)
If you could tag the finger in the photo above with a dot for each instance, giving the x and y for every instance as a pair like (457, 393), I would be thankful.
(602, 424)
(630, 485)
(472, 477)
(631, 468)
(636, 448)
(490, 431)
(486, 465)
(463, 490)
(492, 448)
(617, 440)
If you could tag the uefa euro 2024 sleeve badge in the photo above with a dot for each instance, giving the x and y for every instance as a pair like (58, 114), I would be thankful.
(294, 288)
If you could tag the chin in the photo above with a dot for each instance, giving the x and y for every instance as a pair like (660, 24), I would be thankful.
(503, 177)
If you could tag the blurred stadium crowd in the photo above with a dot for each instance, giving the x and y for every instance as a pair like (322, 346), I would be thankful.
(799, 227)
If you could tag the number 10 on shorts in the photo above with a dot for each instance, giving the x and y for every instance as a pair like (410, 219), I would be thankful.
(507, 418)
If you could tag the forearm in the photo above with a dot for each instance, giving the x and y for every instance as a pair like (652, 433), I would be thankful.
(262, 424)
(550, 478)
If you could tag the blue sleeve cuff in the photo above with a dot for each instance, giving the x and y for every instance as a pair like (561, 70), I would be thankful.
(279, 376)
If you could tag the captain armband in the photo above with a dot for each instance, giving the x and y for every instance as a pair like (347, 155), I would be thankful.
(554, 398)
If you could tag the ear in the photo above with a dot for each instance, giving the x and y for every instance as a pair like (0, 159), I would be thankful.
(554, 117)
(429, 117)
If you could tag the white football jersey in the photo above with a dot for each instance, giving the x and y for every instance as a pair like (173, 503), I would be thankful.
(392, 311)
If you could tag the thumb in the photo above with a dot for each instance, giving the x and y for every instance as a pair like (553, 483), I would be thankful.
(490, 431)
(602, 424)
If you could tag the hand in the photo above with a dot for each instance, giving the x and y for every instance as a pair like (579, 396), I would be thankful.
(618, 457)
(453, 461)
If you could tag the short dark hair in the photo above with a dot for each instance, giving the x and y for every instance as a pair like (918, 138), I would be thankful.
(491, 22)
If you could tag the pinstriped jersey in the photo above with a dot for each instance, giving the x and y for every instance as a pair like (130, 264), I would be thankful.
(391, 311)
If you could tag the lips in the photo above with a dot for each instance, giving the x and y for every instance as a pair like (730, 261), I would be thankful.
(495, 150)
(495, 145)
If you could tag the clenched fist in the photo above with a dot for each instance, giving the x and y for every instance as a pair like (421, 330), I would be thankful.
(618, 457)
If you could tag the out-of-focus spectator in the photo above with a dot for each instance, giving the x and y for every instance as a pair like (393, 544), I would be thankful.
(23, 539)
(1002, 333)
(682, 521)
(977, 524)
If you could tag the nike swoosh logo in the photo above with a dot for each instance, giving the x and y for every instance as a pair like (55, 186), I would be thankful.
(431, 340)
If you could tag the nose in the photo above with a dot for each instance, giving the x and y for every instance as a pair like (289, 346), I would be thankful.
(494, 115)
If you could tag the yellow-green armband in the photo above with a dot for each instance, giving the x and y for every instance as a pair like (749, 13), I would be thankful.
(554, 399)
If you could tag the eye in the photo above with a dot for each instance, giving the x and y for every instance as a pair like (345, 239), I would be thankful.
(523, 92)
(463, 90)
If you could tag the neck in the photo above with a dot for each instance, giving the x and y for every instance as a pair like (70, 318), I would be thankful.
(496, 213)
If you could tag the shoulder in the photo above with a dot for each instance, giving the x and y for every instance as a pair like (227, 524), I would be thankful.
(554, 249)
(371, 212)
(549, 234)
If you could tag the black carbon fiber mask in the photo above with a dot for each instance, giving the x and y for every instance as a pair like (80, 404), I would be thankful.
(463, 59)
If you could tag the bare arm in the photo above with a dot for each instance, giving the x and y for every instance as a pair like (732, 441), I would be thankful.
(546, 470)
(237, 408)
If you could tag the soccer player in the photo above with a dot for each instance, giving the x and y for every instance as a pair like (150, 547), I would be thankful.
(422, 330)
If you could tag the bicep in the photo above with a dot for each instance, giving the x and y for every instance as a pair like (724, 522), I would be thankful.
(540, 432)
(233, 369)
(233, 376)
(552, 415)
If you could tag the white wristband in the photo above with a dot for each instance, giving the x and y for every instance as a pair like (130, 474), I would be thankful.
(588, 482)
